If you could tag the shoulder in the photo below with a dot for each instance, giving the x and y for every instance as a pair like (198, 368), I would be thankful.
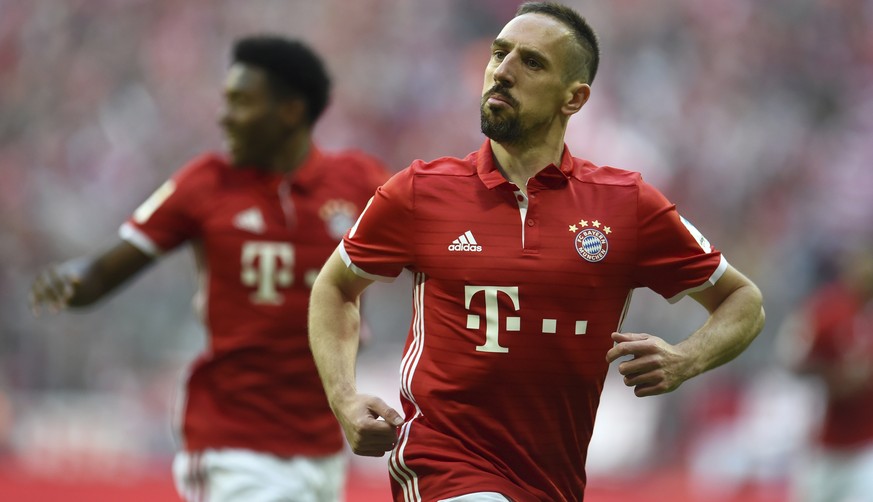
(445, 166)
(624, 179)
(589, 172)
(352, 158)
(432, 174)
(648, 198)
(354, 169)
(204, 170)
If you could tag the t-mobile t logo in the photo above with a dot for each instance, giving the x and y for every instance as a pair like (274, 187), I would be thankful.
(492, 315)
(267, 266)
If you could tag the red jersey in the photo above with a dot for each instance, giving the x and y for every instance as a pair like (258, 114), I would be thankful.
(260, 239)
(514, 301)
(841, 324)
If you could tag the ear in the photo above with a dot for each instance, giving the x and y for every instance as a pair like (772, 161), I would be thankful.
(579, 94)
(293, 111)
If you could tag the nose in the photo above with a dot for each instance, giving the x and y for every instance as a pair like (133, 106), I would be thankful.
(504, 74)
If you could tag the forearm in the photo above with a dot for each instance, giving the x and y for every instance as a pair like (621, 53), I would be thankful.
(100, 275)
(728, 331)
(89, 284)
(82, 281)
(334, 333)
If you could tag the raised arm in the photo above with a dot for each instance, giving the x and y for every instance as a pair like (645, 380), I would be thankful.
(82, 281)
(736, 316)
(334, 324)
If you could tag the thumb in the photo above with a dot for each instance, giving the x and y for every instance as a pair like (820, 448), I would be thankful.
(627, 337)
(73, 283)
(621, 347)
(381, 408)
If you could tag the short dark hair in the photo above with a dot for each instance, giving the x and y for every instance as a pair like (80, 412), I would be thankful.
(582, 33)
(292, 68)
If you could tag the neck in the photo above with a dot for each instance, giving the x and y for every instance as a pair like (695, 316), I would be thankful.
(521, 162)
(292, 154)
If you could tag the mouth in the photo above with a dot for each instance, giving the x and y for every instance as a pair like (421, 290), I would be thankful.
(498, 99)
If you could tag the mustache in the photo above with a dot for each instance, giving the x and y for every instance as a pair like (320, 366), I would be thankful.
(500, 90)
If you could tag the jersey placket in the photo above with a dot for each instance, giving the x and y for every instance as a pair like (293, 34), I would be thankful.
(287, 203)
(530, 227)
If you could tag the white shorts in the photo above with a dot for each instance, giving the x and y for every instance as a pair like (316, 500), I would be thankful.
(478, 497)
(835, 476)
(231, 475)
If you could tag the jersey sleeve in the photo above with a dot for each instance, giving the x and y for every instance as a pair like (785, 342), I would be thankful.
(380, 244)
(168, 217)
(674, 258)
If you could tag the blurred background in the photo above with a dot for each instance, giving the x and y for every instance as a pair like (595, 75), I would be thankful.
(755, 118)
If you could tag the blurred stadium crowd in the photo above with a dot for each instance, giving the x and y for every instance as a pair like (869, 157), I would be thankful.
(754, 117)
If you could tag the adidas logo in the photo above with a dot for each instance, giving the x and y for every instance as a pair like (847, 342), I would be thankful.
(250, 220)
(465, 242)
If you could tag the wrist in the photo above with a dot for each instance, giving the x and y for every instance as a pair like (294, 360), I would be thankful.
(340, 398)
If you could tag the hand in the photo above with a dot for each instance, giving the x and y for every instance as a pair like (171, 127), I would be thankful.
(369, 424)
(53, 288)
(656, 367)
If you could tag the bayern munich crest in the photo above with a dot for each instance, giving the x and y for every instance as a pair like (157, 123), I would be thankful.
(339, 216)
(590, 239)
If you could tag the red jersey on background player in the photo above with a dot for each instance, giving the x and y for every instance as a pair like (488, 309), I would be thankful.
(261, 223)
(524, 259)
(830, 337)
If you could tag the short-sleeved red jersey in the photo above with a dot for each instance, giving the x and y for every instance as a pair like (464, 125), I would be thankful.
(260, 239)
(514, 301)
(840, 324)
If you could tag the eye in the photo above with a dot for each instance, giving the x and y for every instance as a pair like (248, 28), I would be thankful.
(498, 55)
(533, 63)
(238, 99)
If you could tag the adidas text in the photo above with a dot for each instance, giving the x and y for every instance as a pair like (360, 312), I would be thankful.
(465, 247)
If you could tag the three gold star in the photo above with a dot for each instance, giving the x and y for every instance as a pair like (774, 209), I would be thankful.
(584, 223)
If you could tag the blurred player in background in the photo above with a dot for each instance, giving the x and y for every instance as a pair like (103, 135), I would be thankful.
(830, 337)
(524, 259)
(261, 222)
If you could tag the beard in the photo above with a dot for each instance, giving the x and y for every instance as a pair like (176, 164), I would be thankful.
(500, 126)
(501, 129)
(256, 144)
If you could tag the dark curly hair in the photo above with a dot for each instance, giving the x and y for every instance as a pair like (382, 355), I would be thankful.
(292, 68)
